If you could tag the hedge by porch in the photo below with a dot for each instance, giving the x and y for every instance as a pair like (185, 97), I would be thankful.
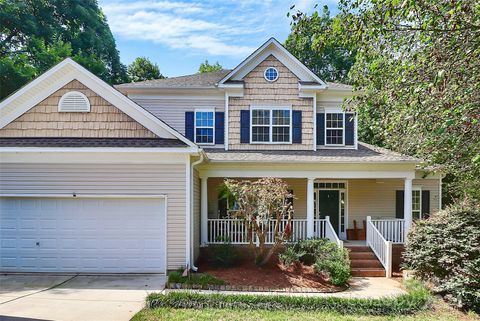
(417, 298)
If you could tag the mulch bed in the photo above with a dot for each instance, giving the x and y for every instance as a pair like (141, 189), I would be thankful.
(271, 276)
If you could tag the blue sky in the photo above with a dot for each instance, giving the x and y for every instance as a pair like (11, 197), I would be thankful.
(179, 34)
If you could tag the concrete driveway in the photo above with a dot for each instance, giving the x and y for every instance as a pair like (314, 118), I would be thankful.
(75, 297)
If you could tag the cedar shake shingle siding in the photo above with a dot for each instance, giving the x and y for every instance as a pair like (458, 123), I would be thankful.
(103, 120)
(259, 92)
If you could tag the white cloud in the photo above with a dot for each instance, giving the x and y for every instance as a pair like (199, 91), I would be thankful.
(215, 27)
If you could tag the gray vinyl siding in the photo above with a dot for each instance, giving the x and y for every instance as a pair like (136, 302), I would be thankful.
(172, 110)
(168, 179)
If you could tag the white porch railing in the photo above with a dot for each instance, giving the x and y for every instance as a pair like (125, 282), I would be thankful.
(380, 246)
(234, 230)
(222, 229)
(392, 229)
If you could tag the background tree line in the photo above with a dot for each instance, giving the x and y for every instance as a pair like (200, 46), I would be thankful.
(417, 64)
(37, 34)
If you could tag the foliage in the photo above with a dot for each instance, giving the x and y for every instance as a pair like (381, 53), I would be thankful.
(193, 278)
(222, 254)
(143, 69)
(417, 298)
(326, 257)
(308, 40)
(445, 250)
(35, 35)
(418, 70)
(262, 205)
(207, 67)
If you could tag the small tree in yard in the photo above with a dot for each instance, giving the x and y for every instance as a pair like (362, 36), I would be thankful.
(263, 204)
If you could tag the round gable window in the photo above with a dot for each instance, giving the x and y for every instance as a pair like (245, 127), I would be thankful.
(271, 74)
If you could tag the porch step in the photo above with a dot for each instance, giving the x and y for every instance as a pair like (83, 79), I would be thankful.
(368, 272)
(364, 262)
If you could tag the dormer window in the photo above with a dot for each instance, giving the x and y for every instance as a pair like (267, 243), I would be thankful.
(334, 129)
(271, 74)
(74, 101)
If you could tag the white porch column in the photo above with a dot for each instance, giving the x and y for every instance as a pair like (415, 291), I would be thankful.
(203, 210)
(310, 213)
(407, 204)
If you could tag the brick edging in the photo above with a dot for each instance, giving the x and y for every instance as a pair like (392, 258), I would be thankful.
(245, 288)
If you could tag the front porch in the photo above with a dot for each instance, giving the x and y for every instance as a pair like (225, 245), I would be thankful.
(324, 208)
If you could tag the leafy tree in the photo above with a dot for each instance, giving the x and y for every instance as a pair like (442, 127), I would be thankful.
(263, 204)
(417, 66)
(143, 69)
(445, 250)
(327, 57)
(36, 34)
(207, 67)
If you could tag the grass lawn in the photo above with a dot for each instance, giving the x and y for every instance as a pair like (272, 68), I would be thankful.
(439, 312)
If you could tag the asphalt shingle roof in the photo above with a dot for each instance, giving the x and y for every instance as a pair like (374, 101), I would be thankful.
(89, 142)
(364, 153)
(207, 79)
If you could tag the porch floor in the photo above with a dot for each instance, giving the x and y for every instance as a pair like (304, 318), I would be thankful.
(355, 243)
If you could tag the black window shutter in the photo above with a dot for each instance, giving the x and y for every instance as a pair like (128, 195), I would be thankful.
(425, 204)
(399, 204)
(189, 125)
(219, 127)
(297, 126)
(245, 126)
(349, 129)
(320, 128)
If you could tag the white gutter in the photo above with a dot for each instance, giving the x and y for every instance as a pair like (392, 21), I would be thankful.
(190, 220)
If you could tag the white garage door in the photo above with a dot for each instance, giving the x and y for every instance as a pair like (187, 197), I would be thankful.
(105, 235)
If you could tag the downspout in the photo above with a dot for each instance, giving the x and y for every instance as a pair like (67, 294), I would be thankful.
(192, 266)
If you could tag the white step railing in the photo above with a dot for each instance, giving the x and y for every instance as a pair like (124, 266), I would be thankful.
(234, 230)
(392, 229)
(380, 246)
(330, 232)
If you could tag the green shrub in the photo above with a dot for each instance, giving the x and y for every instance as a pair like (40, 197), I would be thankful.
(222, 254)
(193, 278)
(445, 249)
(325, 256)
(417, 298)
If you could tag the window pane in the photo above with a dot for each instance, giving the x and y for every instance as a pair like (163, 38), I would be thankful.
(416, 200)
(281, 134)
(335, 120)
(260, 117)
(204, 135)
(260, 134)
(334, 136)
(204, 118)
(281, 117)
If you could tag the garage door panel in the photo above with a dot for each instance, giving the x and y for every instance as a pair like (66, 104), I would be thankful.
(82, 235)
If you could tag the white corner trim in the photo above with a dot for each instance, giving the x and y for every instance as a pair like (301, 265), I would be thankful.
(226, 122)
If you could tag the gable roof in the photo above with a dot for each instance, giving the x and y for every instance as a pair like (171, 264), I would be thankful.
(61, 74)
(275, 48)
(203, 80)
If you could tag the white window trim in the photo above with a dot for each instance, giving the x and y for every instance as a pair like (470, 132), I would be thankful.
(343, 128)
(265, 74)
(270, 125)
(70, 93)
(208, 110)
(419, 189)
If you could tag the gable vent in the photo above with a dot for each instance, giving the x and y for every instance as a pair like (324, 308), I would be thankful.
(74, 101)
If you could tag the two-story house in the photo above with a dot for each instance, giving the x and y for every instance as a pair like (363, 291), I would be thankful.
(126, 179)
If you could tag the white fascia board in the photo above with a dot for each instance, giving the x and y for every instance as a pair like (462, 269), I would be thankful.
(94, 83)
(182, 150)
(257, 55)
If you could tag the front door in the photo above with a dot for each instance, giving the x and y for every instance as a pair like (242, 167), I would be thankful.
(329, 205)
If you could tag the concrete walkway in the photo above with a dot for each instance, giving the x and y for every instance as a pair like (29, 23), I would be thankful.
(360, 287)
(70, 297)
